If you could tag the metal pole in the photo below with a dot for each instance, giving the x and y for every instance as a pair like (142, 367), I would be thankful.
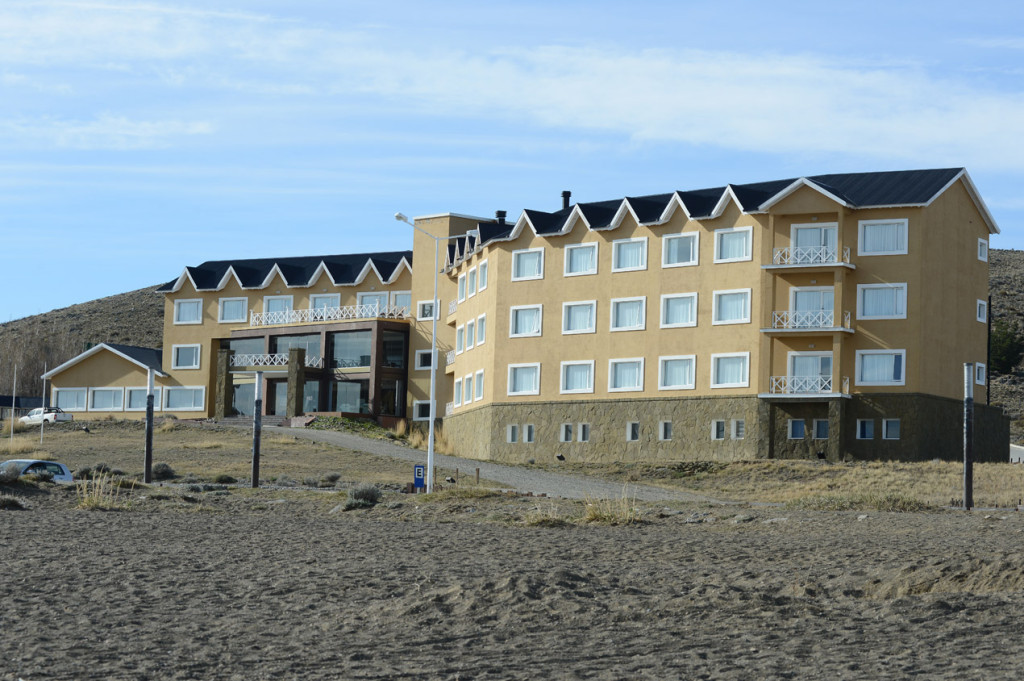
(433, 376)
(14, 398)
(257, 426)
(147, 466)
(42, 424)
(968, 436)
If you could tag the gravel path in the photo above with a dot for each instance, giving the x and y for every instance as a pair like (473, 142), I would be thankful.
(511, 477)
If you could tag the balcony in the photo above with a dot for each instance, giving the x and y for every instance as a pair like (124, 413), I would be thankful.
(817, 256)
(794, 321)
(805, 387)
(277, 360)
(453, 306)
(449, 358)
(328, 314)
(449, 408)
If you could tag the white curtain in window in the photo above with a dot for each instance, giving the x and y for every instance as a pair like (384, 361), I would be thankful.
(731, 369)
(629, 314)
(460, 339)
(481, 330)
(526, 321)
(679, 310)
(403, 301)
(629, 254)
(577, 377)
(184, 398)
(885, 237)
(189, 311)
(815, 237)
(813, 301)
(581, 259)
(579, 317)
(733, 245)
(732, 306)
(479, 386)
(882, 367)
(626, 375)
(524, 379)
(676, 372)
(279, 304)
(467, 390)
(483, 275)
(883, 301)
(233, 309)
(679, 249)
(527, 264)
(810, 365)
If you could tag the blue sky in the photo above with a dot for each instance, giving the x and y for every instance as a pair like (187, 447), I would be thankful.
(140, 137)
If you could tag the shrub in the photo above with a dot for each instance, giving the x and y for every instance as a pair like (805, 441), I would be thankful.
(100, 468)
(11, 503)
(84, 473)
(5, 427)
(311, 482)
(224, 479)
(332, 477)
(9, 473)
(104, 493)
(1007, 347)
(362, 496)
(162, 471)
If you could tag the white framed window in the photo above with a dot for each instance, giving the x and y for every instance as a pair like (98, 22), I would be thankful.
(983, 250)
(421, 410)
(814, 243)
(106, 399)
(730, 370)
(629, 314)
(457, 393)
(188, 312)
(820, 429)
(881, 367)
(324, 301)
(426, 310)
(527, 264)
(890, 429)
(626, 375)
(375, 299)
(579, 316)
(528, 433)
(583, 432)
(525, 321)
(577, 377)
(565, 433)
(185, 398)
(136, 399)
(460, 340)
(677, 372)
(632, 431)
(796, 429)
(462, 287)
(739, 429)
(185, 356)
(280, 303)
(680, 250)
(512, 433)
(882, 237)
(478, 386)
(865, 429)
(232, 310)
(470, 333)
(423, 360)
(629, 255)
(471, 282)
(678, 310)
(718, 429)
(882, 301)
(70, 399)
(481, 329)
(580, 259)
(981, 311)
(402, 300)
(467, 389)
(980, 373)
(731, 306)
(482, 276)
(734, 244)
(665, 431)
(524, 379)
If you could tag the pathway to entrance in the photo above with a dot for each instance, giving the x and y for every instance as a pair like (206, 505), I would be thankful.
(510, 477)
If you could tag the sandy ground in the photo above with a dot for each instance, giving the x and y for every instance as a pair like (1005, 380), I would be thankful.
(228, 586)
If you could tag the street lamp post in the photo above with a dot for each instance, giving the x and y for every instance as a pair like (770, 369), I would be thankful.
(433, 349)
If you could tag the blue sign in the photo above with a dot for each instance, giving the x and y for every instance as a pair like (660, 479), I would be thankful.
(418, 473)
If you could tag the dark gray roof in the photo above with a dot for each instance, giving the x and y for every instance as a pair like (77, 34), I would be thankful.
(150, 357)
(297, 271)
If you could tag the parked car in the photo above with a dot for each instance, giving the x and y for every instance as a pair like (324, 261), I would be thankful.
(49, 415)
(59, 471)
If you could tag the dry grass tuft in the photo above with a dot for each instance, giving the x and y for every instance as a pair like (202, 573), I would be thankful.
(893, 503)
(204, 444)
(5, 427)
(621, 511)
(549, 516)
(402, 429)
(19, 447)
(465, 493)
(168, 426)
(9, 502)
(105, 493)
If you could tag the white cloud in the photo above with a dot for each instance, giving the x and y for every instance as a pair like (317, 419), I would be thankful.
(104, 132)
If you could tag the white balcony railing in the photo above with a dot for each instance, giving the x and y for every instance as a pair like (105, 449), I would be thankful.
(453, 306)
(818, 255)
(276, 360)
(449, 408)
(328, 314)
(801, 385)
(819, 319)
(449, 359)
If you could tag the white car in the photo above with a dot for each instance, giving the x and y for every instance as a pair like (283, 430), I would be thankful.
(49, 415)
(59, 471)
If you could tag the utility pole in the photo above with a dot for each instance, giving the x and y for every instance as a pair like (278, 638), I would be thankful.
(969, 436)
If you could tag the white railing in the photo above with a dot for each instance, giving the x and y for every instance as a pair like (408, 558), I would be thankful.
(452, 306)
(819, 319)
(277, 360)
(450, 358)
(328, 314)
(449, 408)
(800, 385)
(817, 255)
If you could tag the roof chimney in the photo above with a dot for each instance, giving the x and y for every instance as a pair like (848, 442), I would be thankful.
(500, 215)
(565, 199)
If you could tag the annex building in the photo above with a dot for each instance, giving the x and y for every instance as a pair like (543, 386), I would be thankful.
(816, 317)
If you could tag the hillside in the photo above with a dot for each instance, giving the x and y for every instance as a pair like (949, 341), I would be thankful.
(51, 338)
